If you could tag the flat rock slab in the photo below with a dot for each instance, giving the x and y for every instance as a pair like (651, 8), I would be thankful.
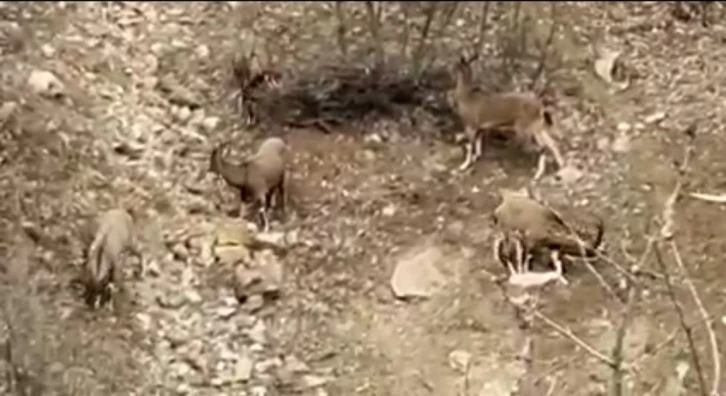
(417, 272)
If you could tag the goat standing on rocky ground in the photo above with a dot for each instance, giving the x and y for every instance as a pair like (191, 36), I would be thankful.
(533, 229)
(114, 236)
(262, 176)
(521, 113)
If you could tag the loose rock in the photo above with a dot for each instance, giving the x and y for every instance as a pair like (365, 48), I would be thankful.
(416, 273)
(460, 360)
(177, 93)
(46, 83)
(232, 255)
(210, 124)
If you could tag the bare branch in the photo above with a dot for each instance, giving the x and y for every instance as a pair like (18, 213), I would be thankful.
(716, 198)
(617, 354)
(668, 228)
(715, 354)
(342, 30)
(405, 32)
(510, 45)
(682, 319)
(569, 334)
(602, 281)
(668, 340)
(619, 267)
(418, 53)
(447, 15)
(427, 59)
(667, 233)
(545, 49)
(379, 11)
(374, 24)
(483, 19)
(521, 30)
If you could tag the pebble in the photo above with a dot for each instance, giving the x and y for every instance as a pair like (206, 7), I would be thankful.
(45, 83)
(210, 124)
(460, 360)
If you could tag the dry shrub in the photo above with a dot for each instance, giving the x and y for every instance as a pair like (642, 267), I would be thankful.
(403, 63)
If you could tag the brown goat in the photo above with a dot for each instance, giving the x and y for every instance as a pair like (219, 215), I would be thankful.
(521, 113)
(261, 176)
(114, 236)
(544, 230)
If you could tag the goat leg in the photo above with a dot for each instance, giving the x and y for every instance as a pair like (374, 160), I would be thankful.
(241, 203)
(136, 252)
(89, 295)
(281, 195)
(479, 144)
(109, 300)
(468, 160)
(519, 255)
(541, 166)
(545, 140)
(263, 218)
(497, 249)
(108, 289)
(555, 256)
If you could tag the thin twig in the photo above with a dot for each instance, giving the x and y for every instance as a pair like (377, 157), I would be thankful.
(418, 53)
(405, 35)
(681, 319)
(545, 50)
(617, 379)
(342, 30)
(523, 309)
(602, 280)
(467, 373)
(617, 266)
(668, 340)
(667, 233)
(583, 257)
(668, 228)
(577, 340)
(447, 16)
(374, 27)
(513, 45)
(715, 354)
(483, 19)
(379, 10)
(716, 198)
(522, 33)
(556, 366)
(551, 389)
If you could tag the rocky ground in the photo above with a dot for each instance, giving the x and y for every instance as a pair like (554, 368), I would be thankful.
(111, 103)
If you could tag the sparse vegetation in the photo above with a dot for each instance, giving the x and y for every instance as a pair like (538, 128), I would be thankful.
(142, 95)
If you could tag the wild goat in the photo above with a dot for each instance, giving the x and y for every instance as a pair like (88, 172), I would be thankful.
(114, 236)
(521, 113)
(262, 176)
(530, 228)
